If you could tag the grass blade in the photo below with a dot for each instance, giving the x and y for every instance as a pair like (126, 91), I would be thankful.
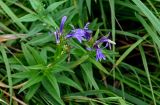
(153, 19)
(149, 30)
(133, 46)
(2, 48)
(12, 15)
(147, 71)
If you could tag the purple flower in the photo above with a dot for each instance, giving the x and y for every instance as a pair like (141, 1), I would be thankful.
(80, 34)
(99, 55)
(98, 43)
(104, 40)
(59, 32)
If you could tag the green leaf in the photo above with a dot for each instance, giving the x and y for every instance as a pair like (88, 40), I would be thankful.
(54, 83)
(48, 86)
(40, 40)
(91, 93)
(35, 79)
(68, 81)
(28, 18)
(113, 21)
(87, 68)
(37, 5)
(99, 65)
(89, 6)
(5, 28)
(7, 66)
(43, 54)
(133, 46)
(25, 74)
(61, 68)
(35, 67)
(79, 61)
(36, 55)
(147, 72)
(54, 5)
(32, 91)
(28, 56)
(35, 29)
(149, 30)
(134, 100)
(12, 15)
(65, 12)
(153, 19)
(49, 20)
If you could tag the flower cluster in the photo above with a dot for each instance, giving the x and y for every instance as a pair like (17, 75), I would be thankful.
(84, 34)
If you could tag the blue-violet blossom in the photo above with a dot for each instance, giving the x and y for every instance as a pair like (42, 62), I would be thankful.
(80, 34)
(107, 42)
(99, 55)
(59, 32)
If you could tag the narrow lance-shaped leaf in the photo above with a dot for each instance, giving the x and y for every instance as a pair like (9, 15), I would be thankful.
(87, 68)
(48, 86)
(32, 91)
(68, 81)
(37, 5)
(28, 18)
(54, 5)
(53, 82)
(28, 56)
(32, 81)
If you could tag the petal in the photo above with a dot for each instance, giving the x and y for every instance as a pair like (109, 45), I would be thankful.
(62, 23)
(87, 36)
(79, 32)
(86, 26)
(56, 36)
(89, 49)
(107, 44)
(110, 41)
(69, 36)
(103, 39)
(89, 31)
(79, 38)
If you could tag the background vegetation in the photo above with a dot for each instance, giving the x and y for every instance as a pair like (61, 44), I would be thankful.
(32, 73)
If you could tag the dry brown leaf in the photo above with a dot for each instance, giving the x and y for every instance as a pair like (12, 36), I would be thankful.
(7, 37)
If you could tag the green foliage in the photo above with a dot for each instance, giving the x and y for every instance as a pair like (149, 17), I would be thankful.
(36, 70)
